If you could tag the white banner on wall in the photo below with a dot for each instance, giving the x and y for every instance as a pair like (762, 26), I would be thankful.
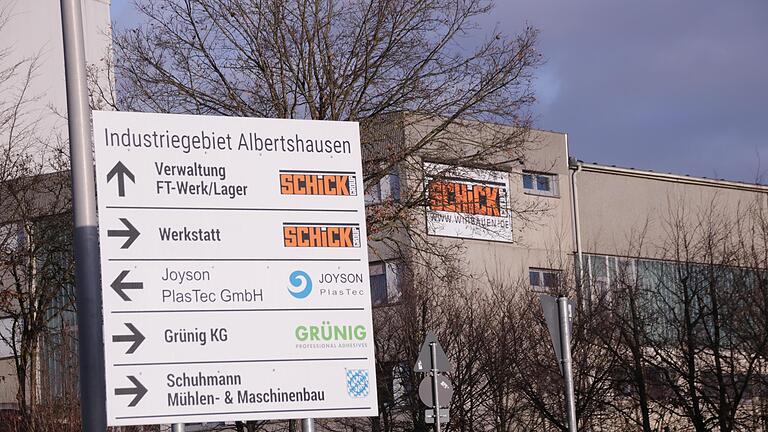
(467, 203)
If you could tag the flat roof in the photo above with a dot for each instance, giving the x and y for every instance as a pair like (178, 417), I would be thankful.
(676, 178)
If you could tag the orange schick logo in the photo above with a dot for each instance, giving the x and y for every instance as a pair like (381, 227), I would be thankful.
(321, 235)
(472, 198)
(330, 183)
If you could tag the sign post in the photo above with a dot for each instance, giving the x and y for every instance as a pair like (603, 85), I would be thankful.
(435, 393)
(308, 425)
(558, 314)
(235, 269)
(436, 387)
(86, 240)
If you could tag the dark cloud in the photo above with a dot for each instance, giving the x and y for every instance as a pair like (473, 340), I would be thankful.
(679, 86)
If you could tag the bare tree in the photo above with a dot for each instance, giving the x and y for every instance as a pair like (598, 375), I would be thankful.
(35, 258)
(686, 327)
(410, 71)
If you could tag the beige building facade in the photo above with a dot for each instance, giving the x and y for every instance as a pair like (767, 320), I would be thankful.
(561, 211)
(32, 71)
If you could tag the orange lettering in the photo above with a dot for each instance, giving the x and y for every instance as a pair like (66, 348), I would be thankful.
(286, 184)
(342, 185)
(289, 236)
(345, 237)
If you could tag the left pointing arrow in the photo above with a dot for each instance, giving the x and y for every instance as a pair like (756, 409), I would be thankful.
(132, 233)
(121, 171)
(136, 337)
(119, 285)
(138, 390)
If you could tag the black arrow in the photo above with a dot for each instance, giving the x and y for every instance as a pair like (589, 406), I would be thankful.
(119, 286)
(137, 338)
(137, 389)
(132, 233)
(121, 172)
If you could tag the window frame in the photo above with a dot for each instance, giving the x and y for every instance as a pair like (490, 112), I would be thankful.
(392, 273)
(554, 184)
(540, 271)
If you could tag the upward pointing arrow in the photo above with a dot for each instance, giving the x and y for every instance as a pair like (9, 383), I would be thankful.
(132, 233)
(138, 389)
(121, 171)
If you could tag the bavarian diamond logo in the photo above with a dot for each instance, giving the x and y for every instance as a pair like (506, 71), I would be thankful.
(357, 383)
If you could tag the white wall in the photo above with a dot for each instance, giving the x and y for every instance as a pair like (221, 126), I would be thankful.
(33, 30)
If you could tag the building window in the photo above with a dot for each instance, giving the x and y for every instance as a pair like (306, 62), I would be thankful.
(540, 183)
(387, 188)
(378, 272)
(605, 272)
(543, 279)
(385, 282)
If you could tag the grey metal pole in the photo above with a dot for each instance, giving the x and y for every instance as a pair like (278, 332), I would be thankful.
(177, 427)
(433, 358)
(565, 342)
(307, 425)
(87, 271)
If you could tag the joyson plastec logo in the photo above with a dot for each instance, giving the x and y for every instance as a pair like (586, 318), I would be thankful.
(301, 283)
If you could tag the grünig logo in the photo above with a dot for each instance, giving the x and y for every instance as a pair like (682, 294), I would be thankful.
(301, 280)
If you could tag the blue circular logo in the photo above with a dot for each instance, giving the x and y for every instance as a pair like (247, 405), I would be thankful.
(302, 281)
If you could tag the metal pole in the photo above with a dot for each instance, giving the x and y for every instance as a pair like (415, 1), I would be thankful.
(307, 425)
(177, 427)
(87, 271)
(433, 371)
(565, 343)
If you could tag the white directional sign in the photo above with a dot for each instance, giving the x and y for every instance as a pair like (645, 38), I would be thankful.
(234, 269)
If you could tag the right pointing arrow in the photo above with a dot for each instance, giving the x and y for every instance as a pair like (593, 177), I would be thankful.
(119, 286)
(132, 233)
(121, 172)
(136, 337)
(137, 389)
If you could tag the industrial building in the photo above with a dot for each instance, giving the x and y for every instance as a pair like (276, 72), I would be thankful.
(665, 258)
(552, 207)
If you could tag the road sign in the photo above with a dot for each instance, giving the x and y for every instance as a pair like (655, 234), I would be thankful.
(444, 391)
(429, 416)
(234, 269)
(550, 308)
(423, 362)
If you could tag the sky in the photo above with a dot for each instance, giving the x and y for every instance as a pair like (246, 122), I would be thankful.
(675, 86)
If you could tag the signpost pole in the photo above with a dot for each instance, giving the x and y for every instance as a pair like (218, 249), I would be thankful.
(565, 342)
(177, 427)
(435, 397)
(307, 425)
(87, 270)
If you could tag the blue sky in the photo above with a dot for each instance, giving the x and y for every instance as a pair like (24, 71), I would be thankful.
(668, 85)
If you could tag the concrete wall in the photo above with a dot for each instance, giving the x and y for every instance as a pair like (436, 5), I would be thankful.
(618, 207)
(32, 32)
(541, 225)
(543, 236)
(623, 212)
(8, 383)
